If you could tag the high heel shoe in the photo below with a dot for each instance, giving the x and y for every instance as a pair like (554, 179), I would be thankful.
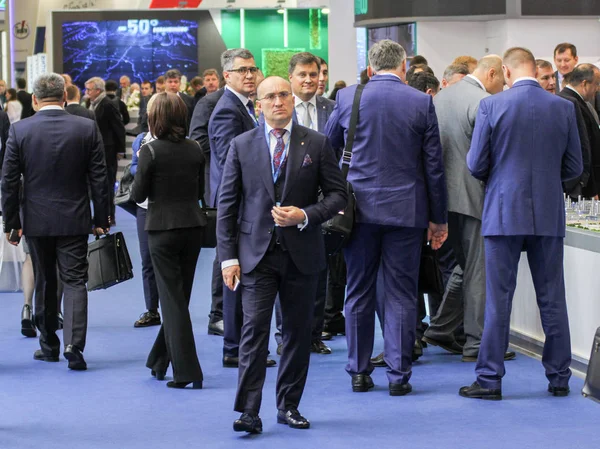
(160, 375)
(196, 385)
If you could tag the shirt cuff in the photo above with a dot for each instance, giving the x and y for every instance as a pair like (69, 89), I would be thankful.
(304, 224)
(229, 263)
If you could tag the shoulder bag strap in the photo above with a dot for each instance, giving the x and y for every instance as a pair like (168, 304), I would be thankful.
(347, 155)
(151, 150)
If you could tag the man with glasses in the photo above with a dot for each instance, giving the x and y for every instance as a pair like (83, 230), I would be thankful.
(233, 115)
(272, 179)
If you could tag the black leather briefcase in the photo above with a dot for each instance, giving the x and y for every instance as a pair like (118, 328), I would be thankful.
(337, 230)
(591, 388)
(430, 275)
(209, 232)
(109, 262)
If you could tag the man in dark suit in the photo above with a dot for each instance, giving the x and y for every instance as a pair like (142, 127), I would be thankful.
(311, 111)
(73, 107)
(112, 130)
(271, 181)
(398, 178)
(565, 59)
(580, 87)
(57, 167)
(582, 84)
(523, 158)
(146, 94)
(233, 115)
(173, 85)
(25, 98)
(199, 132)
(110, 87)
(4, 128)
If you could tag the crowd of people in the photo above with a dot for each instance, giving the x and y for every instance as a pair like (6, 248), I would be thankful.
(476, 165)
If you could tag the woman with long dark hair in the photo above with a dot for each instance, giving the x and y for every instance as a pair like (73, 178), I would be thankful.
(170, 175)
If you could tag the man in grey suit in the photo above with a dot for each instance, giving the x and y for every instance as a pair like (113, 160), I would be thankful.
(456, 108)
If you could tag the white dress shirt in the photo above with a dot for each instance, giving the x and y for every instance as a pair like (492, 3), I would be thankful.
(301, 112)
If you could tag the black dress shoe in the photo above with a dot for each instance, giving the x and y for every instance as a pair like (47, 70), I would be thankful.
(508, 355)
(148, 318)
(27, 326)
(452, 346)
(337, 327)
(362, 383)
(417, 350)
(248, 423)
(475, 391)
(558, 391)
(271, 363)
(75, 357)
(378, 361)
(318, 347)
(292, 418)
(160, 375)
(216, 328)
(234, 362)
(40, 355)
(326, 336)
(400, 389)
(196, 385)
(61, 321)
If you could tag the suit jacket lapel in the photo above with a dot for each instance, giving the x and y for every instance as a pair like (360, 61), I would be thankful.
(321, 115)
(264, 161)
(298, 146)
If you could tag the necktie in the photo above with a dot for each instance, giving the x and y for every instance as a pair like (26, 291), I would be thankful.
(278, 153)
(306, 120)
(250, 105)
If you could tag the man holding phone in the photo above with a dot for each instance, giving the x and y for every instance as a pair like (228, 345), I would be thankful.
(56, 167)
(271, 181)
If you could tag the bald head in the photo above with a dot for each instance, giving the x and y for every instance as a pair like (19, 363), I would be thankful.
(275, 101)
(266, 84)
(489, 72)
(518, 62)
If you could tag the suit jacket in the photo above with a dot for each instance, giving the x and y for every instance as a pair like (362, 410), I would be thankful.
(111, 127)
(27, 102)
(586, 184)
(397, 169)
(456, 108)
(80, 111)
(229, 119)
(142, 120)
(248, 192)
(189, 104)
(4, 128)
(56, 167)
(121, 106)
(200, 118)
(525, 144)
(173, 181)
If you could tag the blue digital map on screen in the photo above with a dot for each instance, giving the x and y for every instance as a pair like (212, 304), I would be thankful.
(141, 49)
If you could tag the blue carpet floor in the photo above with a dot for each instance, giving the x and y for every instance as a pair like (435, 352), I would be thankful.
(117, 404)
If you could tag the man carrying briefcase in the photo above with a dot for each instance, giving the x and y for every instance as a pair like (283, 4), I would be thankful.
(58, 154)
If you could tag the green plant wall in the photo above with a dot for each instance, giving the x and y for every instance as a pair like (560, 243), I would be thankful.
(307, 31)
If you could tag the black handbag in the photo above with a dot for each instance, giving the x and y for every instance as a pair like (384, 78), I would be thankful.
(123, 194)
(108, 262)
(209, 232)
(591, 388)
(430, 275)
(337, 230)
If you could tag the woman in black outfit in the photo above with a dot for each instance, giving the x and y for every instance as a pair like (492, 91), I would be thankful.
(170, 174)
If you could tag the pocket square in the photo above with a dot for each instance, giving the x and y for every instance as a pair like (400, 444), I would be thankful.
(307, 161)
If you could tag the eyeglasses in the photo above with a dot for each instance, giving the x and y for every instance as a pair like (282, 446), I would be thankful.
(244, 70)
(271, 97)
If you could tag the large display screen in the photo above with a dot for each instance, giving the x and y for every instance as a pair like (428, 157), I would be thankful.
(142, 49)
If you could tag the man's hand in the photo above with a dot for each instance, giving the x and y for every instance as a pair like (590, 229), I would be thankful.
(287, 216)
(437, 234)
(230, 274)
(97, 231)
(20, 233)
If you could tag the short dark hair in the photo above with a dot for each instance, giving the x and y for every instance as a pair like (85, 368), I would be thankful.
(304, 58)
(167, 118)
(364, 77)
(561, 48)
(197, 81)
(414, 67)
(146, 82)
(543, 64)
(160, 80)
(518, 56)
(173, 73)
(72, 92)
(21, 83)
(111, 86)
(322, 61)
(424, 81)
(418, 59)
(13, 94)
(581, 73)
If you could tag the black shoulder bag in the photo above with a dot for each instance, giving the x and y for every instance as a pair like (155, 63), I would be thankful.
(337, 231)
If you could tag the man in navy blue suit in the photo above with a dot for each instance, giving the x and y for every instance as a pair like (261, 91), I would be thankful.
(57, 167)
(271, 185)
(233, 115)
(525, 144)
(397, 173)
